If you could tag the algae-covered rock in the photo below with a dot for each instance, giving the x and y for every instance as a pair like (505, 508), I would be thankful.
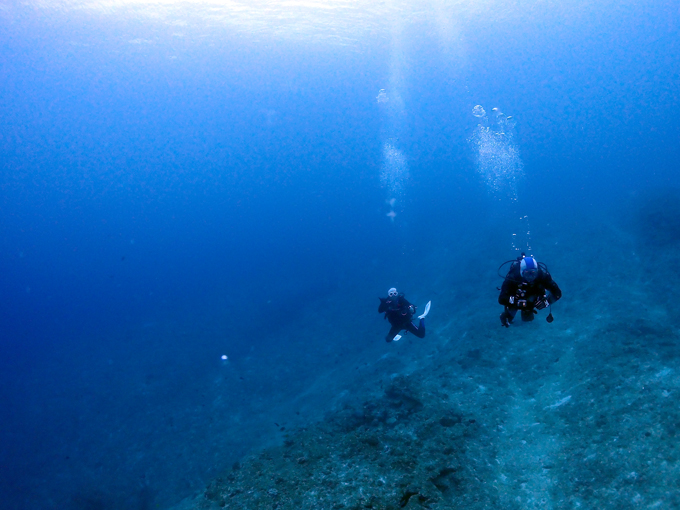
(406, 449)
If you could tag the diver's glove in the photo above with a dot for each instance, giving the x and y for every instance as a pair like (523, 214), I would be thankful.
(542, 302)
(411, 309)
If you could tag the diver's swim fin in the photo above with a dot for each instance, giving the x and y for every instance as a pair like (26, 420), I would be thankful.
(427, 310)
(396, 338)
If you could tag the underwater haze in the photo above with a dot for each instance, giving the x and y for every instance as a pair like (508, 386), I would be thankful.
(201, 201)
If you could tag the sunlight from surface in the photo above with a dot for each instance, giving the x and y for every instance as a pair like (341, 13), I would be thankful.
(337, 21)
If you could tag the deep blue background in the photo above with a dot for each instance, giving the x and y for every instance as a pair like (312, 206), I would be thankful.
(194, 180)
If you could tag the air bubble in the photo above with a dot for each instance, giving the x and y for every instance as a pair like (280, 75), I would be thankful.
(394, 173)
(478, 111)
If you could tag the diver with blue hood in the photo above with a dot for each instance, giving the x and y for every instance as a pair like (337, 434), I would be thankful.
(528, 287)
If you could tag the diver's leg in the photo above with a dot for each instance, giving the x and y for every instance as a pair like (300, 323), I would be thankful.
(507, 316)
(394, 331)
(419, 330)
(527, 315)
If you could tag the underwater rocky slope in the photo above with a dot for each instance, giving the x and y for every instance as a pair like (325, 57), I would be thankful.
(581, 413)
(514, 433)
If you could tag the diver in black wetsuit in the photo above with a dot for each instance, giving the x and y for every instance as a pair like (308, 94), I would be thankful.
(528, 287)
(398, 311)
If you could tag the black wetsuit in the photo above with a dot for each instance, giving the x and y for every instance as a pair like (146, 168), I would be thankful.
(518, 288)
(398, 311)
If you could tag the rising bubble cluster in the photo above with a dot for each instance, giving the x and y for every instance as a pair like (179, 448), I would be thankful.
(498, 161)
(395, 173)
(496, 153)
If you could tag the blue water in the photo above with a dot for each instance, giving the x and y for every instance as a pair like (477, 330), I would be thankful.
(180, 183)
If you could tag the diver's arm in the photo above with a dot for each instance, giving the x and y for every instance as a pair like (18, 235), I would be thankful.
(555, 292)
(508, 290)
(405, 307)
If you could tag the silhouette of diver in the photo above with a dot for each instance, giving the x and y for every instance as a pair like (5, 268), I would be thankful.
(398, 311)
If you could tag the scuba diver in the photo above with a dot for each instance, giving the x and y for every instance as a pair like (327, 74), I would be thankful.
(398, 311)
(528, 287)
